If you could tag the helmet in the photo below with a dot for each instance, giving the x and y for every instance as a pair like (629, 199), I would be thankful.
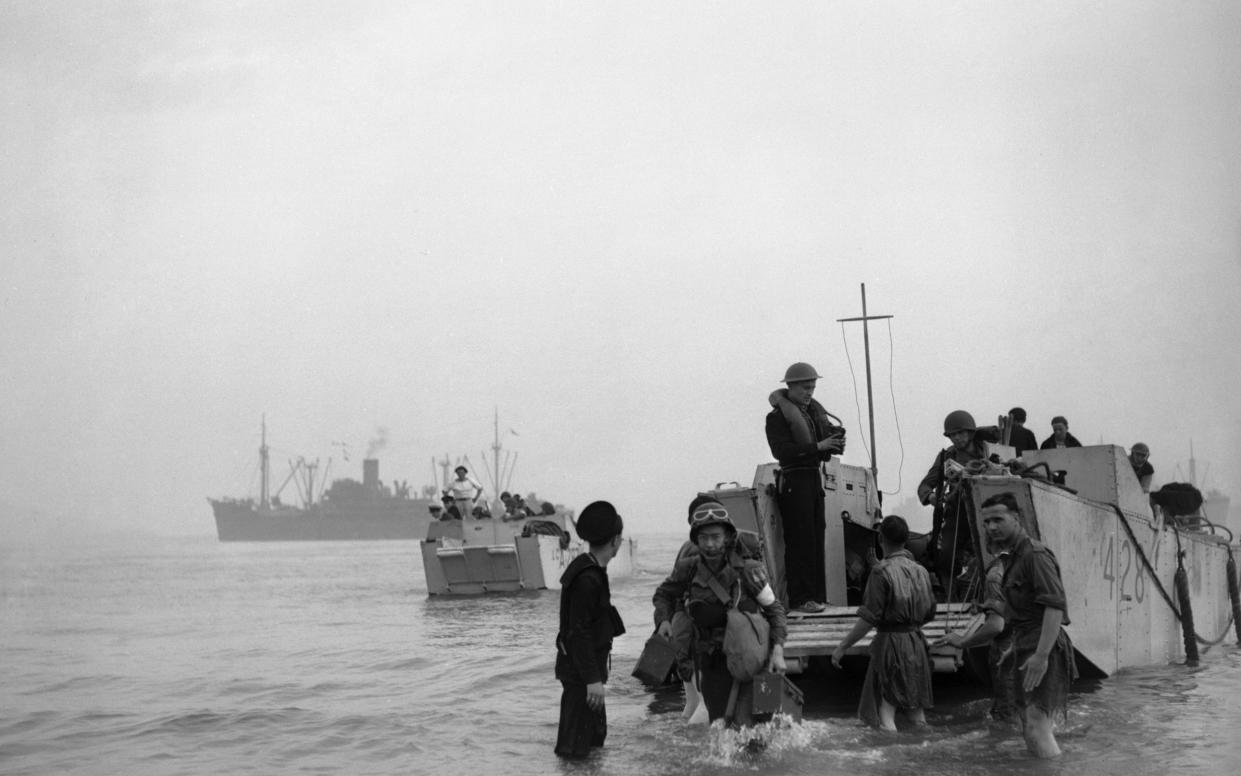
(799, 372)
(958, 420)
(710, 513)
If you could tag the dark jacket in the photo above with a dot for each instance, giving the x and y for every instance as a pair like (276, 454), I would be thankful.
(588, 623)
(1023, 439)
(1050, 442)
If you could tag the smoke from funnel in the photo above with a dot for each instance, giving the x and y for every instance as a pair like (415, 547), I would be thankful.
(378, 442)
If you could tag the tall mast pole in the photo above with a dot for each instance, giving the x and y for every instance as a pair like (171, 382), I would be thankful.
(495, 456)
(870, 405)
(265, 468)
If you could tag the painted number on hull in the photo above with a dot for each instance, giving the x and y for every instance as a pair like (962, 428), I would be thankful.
(1123, 571)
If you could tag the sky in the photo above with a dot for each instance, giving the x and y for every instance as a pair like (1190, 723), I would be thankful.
(613, 226)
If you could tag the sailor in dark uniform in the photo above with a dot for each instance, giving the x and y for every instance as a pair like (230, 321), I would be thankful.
(588, 623)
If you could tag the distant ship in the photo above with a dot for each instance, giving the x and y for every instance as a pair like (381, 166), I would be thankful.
(347, 510)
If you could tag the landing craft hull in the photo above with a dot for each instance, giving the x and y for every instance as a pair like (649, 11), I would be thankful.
(1100, 535)
(1120, 617)
(473, 557)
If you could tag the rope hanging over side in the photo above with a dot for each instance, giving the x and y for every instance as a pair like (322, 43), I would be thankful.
(1232, 619)
(1181, 581)
(1233, 595)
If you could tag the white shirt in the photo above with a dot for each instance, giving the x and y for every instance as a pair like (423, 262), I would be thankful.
(464, 488)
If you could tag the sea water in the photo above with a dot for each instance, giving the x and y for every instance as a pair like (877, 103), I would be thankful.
(189, 656)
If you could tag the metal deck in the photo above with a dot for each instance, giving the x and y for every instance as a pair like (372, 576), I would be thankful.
(818, 634)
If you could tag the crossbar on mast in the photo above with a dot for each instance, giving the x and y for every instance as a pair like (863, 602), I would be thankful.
(870, 406)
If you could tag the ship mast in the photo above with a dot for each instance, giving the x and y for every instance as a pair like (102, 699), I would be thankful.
(264, 469)
(870, 406)
(495, 456)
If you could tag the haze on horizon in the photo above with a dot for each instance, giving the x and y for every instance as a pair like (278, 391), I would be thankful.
(612, 224)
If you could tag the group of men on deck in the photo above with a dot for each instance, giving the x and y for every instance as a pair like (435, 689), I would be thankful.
(716, 574)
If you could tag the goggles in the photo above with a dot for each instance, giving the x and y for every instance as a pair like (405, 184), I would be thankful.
(709, 513)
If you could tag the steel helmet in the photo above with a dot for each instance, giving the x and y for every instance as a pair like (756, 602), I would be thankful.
(799, 372)
(958, 420)
(710, 513)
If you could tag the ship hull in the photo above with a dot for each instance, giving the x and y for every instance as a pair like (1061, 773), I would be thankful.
(381, 521)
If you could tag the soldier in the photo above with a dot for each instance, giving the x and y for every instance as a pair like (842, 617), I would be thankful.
(898, 600)
(1042, 668)
(801, 436)
(709, 583)
(967, 446)
(1139, 458)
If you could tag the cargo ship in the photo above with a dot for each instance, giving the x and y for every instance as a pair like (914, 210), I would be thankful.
(348, 510)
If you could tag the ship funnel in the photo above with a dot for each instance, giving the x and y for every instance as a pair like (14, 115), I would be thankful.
(370, 475)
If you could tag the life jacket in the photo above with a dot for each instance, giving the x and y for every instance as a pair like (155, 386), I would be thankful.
(807, 425)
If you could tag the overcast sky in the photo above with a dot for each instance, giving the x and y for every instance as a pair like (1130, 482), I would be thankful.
(614, 223)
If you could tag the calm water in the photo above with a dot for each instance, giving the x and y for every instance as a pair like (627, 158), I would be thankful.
(194, 657)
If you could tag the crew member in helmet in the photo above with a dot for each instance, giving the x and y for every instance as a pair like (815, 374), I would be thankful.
(1139, 458)
(801, 436)
(708, 584)
(588, 623)
(967, 445)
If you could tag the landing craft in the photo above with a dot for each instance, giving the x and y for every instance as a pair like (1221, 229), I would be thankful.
(492, 555)
(1119, 556)
(502, 553)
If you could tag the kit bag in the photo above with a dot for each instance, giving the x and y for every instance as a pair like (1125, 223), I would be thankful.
(746, 647)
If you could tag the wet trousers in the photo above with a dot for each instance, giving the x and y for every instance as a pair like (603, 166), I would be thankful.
(581, 727)
(717, 684)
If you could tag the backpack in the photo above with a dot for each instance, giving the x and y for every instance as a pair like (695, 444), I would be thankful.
(746, 641)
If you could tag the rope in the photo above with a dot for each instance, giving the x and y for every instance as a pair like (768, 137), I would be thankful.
(1233, 595)
(1181, 581)
(1124, 521)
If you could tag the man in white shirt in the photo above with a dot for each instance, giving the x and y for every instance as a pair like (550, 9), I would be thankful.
(464, 491)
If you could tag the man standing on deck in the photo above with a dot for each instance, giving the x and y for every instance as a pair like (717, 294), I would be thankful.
(464, 491)
(1060, 436)
(1035, 608)
(801, 436)
(898, 600)
(1020, 437)
(588, 623)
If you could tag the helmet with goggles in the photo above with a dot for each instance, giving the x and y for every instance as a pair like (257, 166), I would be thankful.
(707, 514)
